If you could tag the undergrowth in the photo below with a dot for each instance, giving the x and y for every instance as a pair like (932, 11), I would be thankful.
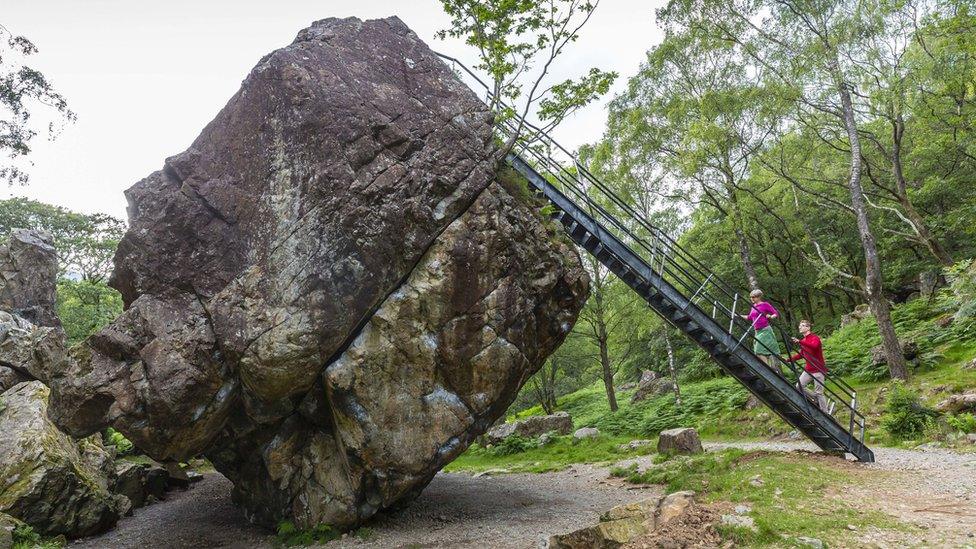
(560, 453)
(24, 537)
(289, 535)
(906, 417)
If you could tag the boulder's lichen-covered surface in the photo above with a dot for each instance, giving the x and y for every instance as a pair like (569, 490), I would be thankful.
(48, 480)
(330, 294)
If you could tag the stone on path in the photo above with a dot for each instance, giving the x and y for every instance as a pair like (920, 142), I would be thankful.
(626, 523)
(683, 440)
(814, 543)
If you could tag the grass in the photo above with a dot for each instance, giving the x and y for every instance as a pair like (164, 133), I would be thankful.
(24, 537)
(789, 494)
(559, 454)
(715, 407)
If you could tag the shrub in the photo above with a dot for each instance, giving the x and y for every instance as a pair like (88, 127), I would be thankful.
(962, 422)
(514, 444)
(25, 537)
(289, 535)
(906, 417)
(123, 446)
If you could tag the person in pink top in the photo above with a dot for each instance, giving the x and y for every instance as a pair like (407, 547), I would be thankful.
(765, 344)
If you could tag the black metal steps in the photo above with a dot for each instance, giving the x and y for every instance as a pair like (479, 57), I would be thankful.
(674, 306)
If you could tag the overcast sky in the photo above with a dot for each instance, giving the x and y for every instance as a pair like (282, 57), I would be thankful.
(145, 77)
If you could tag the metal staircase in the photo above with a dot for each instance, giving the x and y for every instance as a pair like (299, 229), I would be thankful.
(678, 287)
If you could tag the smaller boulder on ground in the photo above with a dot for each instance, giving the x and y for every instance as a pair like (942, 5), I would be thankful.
(586, 432)
(48, 480)
(142, 483)
(559, 423)
(859, 313)
(625, 523)
(651, 385)
(909, 349)
(7, 526)
(958, 403)
(683, 440)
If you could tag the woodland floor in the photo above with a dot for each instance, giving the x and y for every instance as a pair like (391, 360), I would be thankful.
(931, 492)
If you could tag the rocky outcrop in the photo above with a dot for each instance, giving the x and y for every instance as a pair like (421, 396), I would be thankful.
(31, 339)
(142, 483)
(7, 526)
(859, 313)
(531, 427)
(651, 385)
(683, 440)
(909, 349)
(48, 480)
(958, 403)
(28, 277)
(27, 351)
(333, 291)
(626, 523)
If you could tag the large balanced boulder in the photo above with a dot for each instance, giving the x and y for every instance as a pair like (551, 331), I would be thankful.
(49, 481)
(334, 290)
(531, 427)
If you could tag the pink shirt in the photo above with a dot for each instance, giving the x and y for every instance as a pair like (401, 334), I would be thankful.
(759, 313)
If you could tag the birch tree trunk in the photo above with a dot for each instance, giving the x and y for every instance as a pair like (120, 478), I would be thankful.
(745, 253)
(872, 278)
(671, 368)
(901, 187)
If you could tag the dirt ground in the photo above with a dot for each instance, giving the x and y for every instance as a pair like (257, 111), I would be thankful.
(508, 511)
(933, 490)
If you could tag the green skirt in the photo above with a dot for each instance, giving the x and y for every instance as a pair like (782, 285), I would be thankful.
(766, 343)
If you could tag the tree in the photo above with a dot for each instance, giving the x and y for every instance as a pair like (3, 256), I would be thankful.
(886, 73)
(513, 38)
(23, 90)
(85, 243)
(803, 47)
(695, 111)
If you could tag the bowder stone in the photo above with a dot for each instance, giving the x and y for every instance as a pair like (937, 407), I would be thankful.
(334, 290)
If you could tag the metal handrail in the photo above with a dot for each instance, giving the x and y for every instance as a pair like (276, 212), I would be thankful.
(674, 262)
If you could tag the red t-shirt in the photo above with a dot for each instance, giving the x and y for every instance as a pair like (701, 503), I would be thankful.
(811, 351)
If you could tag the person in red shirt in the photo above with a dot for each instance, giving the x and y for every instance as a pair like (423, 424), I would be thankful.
(814, 368)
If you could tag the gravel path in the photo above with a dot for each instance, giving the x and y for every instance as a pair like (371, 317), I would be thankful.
(934, 490)
(456, 510)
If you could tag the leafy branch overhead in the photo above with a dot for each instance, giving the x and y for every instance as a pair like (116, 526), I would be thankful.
(23, 90)
(518, 42)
